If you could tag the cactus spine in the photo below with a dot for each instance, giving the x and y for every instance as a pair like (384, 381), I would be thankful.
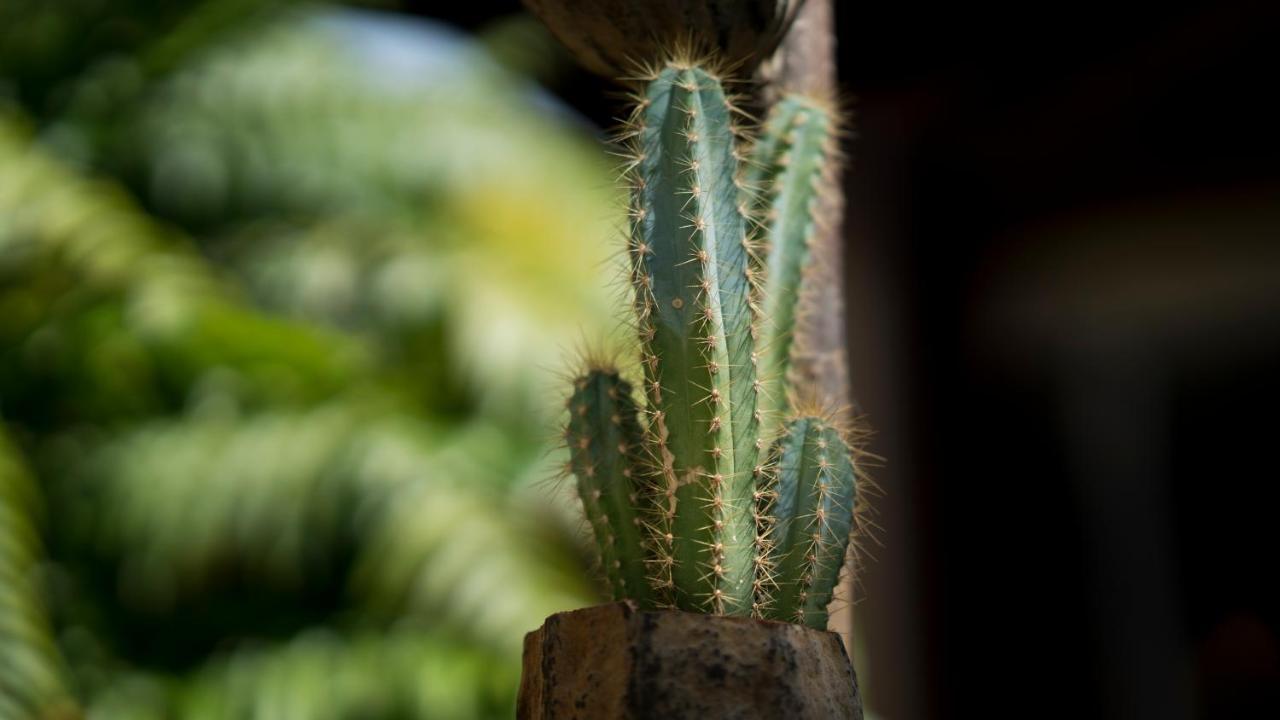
(792, 163)
(694, 309)
(687, 509)
(813, 502)
(604, 446)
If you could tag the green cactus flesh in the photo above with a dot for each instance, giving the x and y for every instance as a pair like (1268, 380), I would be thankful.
(695, 315)
(604, 446)
(791, 163)
(813, 498)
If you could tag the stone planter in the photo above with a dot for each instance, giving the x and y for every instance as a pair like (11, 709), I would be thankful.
(617, 662)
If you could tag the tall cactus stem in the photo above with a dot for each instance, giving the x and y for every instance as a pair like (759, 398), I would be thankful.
(604, 438)
(694, 306)
(794, 159)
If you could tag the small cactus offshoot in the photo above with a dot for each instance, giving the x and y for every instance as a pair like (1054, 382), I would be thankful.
(604, 450)
(690, 505)
(813, 495)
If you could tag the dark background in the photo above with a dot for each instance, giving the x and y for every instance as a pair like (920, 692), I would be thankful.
(1065, 287)
(1063, 251)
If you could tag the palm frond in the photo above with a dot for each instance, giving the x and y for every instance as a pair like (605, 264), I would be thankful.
(322, 675)
(291, 502)
(104, 310)
(361, 177)
(33, 679)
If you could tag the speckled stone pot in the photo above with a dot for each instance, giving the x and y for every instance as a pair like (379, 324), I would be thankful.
(617, 662)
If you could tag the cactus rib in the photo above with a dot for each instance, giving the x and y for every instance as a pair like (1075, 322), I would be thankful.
(604, 445)
(813, 501)
(694, 305)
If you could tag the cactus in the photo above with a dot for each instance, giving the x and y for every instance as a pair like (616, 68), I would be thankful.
(694, 305)
(729, 528)
(813, 497)
(604, 446)
(792, 164)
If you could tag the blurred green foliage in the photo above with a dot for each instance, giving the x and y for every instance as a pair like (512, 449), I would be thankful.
(283, 297)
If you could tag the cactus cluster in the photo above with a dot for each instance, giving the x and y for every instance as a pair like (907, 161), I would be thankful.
(721, 495)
